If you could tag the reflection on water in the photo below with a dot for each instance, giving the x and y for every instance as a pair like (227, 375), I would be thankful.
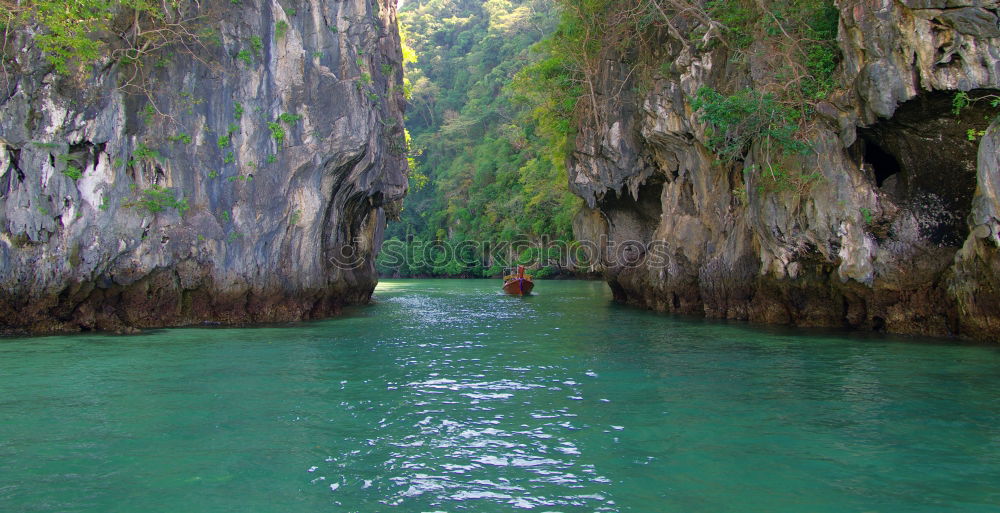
(447, 396)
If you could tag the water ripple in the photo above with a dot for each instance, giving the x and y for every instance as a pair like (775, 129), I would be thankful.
(447, 397)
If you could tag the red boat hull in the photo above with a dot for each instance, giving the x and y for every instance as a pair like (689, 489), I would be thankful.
(518, 287)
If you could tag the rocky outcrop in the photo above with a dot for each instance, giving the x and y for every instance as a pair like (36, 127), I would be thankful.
(896, 227)
(246, 181)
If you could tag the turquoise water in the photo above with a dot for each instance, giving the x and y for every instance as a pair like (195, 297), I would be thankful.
(445, 396)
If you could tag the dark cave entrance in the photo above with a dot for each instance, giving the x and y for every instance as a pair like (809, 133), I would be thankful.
(882, 164)
(631, 222)
(923, 160)
(634, 219)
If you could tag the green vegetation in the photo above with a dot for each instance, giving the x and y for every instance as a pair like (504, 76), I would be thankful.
(748, 117)
(67, 26)
(800, 34)
(481, 167)
(963, 100)
(158, 199)
(791, 42)
(973, 135)
(866, 213)
(280, 29)
(224, 141)
(181, 137)
(148, 113)
(277, 132)
(245, 56)
(76, 35)
(497, 91)
(257, 45)
(237, 110)
(738, 120)
(143, 153)
(960, 102)
(73, 172)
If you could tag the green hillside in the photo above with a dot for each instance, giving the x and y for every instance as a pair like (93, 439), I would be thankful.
(485, 173)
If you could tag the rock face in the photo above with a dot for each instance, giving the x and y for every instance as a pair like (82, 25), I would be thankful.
(898, 231)
(247, 183)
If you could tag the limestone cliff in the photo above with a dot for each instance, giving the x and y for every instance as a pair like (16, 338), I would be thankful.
(244, 181)
(899, 232)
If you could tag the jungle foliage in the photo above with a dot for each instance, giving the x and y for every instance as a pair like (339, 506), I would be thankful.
(484, 169)
(75, 35)
(791, 45)
(498, 91)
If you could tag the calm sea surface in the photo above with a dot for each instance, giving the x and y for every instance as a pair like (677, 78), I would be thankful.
(446, 396)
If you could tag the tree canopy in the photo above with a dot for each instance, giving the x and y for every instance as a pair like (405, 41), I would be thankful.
(485, 170)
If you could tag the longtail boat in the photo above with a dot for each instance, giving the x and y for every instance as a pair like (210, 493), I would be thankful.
(518, 284)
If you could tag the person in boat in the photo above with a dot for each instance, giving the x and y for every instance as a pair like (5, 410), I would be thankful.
(519, 284)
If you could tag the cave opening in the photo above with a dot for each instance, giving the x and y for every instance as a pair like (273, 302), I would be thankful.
(882, 164)
(646, 205)
(635, 218)
(10, 177)
(923, 160)
(81, 154)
